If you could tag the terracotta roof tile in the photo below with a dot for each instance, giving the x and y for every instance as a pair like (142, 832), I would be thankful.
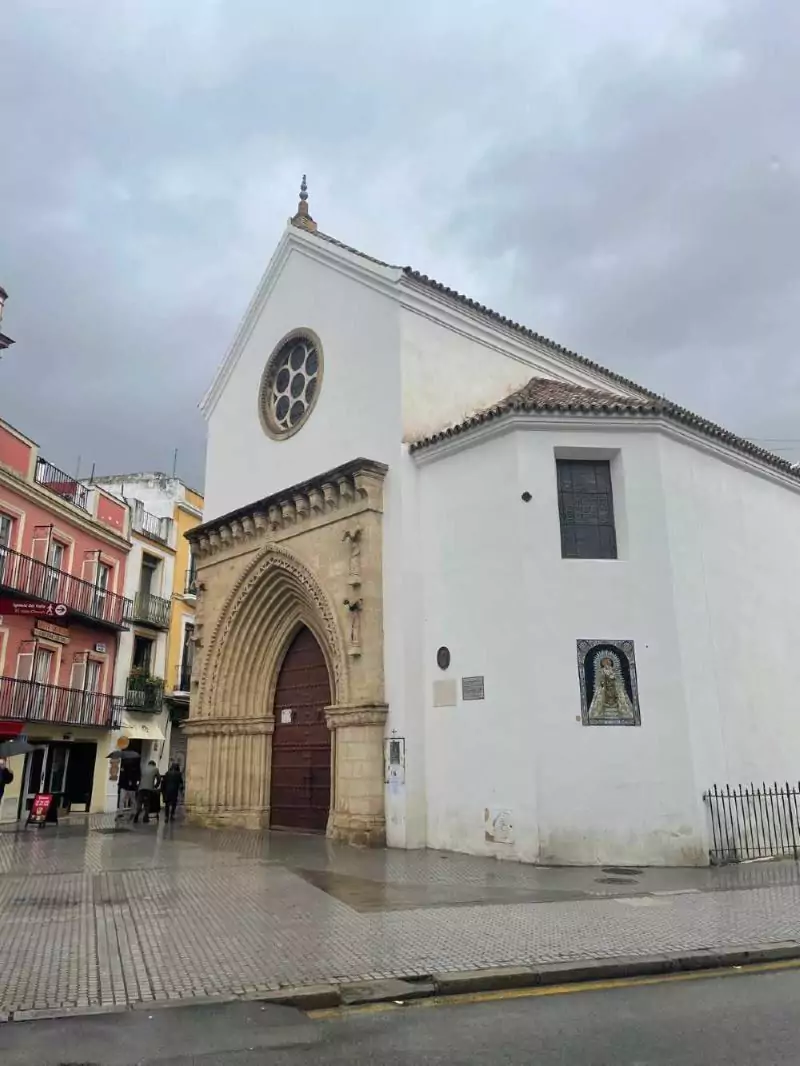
(545, 395)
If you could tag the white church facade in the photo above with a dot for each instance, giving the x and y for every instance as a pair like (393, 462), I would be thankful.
(461, 588)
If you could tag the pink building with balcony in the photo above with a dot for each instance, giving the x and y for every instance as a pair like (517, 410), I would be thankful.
(63, 552)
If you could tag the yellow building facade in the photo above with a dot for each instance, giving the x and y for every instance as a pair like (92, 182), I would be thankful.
(188, 514)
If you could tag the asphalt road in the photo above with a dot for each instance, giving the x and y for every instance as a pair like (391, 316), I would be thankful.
(735, 1020)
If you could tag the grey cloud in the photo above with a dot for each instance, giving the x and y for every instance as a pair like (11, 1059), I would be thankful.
(625, 183)
(663, 239)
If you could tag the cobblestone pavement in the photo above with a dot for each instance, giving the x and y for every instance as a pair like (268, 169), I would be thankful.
(92, 916)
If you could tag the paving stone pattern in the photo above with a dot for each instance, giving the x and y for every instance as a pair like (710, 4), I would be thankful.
(90, 917)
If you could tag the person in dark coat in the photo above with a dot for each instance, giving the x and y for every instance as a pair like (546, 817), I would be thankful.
(148, 790)
(6, 777)
(171, 789)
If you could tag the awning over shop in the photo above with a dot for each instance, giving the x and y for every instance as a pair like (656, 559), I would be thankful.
(140, 729)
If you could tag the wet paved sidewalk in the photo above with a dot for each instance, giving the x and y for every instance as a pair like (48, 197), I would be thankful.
(92, 916)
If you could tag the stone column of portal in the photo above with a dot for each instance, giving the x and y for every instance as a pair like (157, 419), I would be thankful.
(357, 811)
(228, 763)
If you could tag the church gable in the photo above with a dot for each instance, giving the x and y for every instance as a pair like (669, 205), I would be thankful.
(312, 372)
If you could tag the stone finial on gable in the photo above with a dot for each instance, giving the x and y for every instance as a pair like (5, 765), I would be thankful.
(302, 218)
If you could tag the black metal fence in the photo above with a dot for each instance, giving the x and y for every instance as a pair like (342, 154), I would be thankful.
(151, 610)
(754, 822)
(68, 488)
(36, 580)
(144, 694)
(151, 525)
(34, 702)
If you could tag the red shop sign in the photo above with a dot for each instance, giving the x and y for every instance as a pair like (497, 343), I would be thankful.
(40, 808)
(29, 609)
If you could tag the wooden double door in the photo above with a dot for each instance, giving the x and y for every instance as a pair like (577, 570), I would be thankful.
(300, 790)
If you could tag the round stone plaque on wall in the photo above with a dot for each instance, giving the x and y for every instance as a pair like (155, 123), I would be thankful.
(443, 658)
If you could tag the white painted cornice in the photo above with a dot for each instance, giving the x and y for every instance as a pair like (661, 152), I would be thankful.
(533, 421)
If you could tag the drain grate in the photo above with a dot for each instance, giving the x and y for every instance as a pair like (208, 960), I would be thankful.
(616, 881)
(107, 830)
(623, 871)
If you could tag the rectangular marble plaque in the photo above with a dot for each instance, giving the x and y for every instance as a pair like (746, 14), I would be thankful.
(472, 688)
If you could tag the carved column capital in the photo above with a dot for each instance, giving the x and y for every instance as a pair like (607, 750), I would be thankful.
(347, 714)
(217, 726)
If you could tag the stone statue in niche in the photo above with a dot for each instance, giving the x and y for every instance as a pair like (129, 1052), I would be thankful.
(354, 637)
(609, 688)
(353, 536)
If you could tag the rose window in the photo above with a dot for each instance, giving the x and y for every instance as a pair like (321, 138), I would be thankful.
(290, 384)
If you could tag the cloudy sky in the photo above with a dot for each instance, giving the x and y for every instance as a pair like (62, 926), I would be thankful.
(621, 176)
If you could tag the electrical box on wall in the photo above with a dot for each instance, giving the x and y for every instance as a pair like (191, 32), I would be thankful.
(395, 760)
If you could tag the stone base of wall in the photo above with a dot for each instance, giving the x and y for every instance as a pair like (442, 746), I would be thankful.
(356, 829)
(230, 819)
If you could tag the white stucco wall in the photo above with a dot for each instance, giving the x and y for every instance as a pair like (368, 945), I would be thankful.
(499, 595)
(455, 364)
(736, 573)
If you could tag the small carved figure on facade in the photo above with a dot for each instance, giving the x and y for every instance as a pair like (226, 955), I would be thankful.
(354, 570)
(354, 607)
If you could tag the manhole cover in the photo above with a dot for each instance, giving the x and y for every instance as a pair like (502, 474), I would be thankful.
(622, 871)
(615, 881)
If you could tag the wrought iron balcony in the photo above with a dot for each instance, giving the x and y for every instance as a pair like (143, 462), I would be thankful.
(30, 701)
(190, 584)
(68, 488)
(144, 694)
(37, 581)
(151, 610)
(150, 525)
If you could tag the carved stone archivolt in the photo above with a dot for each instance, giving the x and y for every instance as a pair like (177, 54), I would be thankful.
(310, 556)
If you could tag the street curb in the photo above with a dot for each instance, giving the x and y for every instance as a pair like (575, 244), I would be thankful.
(453, 983)
(619, 967)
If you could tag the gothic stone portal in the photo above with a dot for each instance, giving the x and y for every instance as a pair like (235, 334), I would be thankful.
(287, 711)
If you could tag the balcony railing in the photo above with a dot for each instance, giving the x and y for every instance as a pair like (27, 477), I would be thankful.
(151, 610)
(37, 581)
(190, 584)
(144, 694)
(183, 679)
(62, 484)
(31, 701)
(151, 525)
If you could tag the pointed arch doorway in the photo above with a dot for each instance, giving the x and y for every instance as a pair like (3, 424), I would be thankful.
(300, 788)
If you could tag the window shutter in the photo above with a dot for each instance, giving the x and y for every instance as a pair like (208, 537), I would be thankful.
(77, 676)
(89, 567)
(40, 545)
(25, 662)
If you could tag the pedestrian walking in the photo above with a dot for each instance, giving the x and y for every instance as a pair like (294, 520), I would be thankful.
(6, 777)
(171, 790)
(128, 785)
(148, 784)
